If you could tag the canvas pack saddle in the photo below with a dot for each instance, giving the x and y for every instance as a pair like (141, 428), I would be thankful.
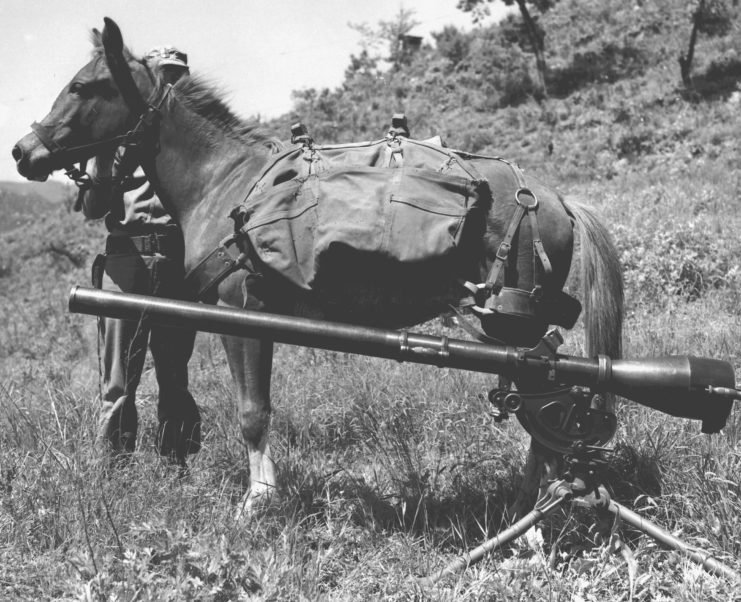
(406, 202)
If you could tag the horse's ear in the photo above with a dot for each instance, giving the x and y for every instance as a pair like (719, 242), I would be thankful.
(119, 68)
(96, 38)
(112, 39)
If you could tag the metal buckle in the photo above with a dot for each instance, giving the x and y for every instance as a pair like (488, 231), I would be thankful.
(503, 251)
(300, 135)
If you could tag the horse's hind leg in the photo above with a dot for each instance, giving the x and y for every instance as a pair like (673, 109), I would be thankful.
(250, 362)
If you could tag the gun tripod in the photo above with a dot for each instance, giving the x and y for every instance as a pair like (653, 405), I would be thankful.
(563, 422)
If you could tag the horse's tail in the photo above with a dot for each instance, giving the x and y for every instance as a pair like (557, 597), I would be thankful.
(601, 282)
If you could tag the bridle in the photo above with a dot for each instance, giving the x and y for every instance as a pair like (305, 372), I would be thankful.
(67, 155)
(144, 133)
(135, 138)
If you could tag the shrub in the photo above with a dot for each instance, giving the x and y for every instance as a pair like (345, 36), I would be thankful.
(603, 62)
(679, 259)
(635, 143)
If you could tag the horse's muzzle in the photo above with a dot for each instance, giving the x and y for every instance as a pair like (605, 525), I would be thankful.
(32, 161)
(18, 153)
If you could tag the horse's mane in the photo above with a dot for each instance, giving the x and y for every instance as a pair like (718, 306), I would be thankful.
(203, 98)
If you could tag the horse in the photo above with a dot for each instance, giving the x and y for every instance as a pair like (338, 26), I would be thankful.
(202, 158)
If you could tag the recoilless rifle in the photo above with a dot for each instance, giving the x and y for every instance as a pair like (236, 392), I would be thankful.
(552, 399)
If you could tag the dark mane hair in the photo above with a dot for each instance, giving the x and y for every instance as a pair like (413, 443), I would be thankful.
(204, 99)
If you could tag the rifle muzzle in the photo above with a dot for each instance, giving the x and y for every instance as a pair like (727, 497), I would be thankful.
(685, 386)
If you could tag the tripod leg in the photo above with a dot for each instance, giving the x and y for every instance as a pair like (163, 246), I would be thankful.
(541, 468)
(710, 564)
(558, 494)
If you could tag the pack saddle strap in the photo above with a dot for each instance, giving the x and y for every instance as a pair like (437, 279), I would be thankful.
(527, 202)
(538, 244)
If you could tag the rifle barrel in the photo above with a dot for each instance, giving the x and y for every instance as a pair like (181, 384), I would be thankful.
(677, 385)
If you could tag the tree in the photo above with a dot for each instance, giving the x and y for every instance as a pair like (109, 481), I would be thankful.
(391, 34)
(535, 34)
(710, 17)
(452, 44)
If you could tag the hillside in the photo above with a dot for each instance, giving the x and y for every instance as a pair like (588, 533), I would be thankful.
(22, 202)
(615, 101)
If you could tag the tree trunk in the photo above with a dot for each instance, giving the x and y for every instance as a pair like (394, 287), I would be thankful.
(537, 41)
(685, 61)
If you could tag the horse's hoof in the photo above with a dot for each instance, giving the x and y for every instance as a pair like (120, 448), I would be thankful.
(255, 504)
(178, 464)
(426, 584)
(114, 461)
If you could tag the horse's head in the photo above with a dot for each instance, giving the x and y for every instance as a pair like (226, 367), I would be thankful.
(92, 113)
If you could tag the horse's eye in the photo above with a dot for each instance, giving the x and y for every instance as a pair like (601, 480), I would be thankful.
(81, 90)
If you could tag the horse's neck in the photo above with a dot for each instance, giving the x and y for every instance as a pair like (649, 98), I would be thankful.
(202, 175)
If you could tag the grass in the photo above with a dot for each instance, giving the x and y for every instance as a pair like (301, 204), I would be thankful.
(387, 471)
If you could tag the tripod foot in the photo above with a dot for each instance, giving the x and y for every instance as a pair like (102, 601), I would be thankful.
(557, 494)
(710, 564)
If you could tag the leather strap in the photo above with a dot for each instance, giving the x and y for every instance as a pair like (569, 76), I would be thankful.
(538, 248)
(494, 281)
(472, 330)
(495, 278)
(146, 244)
(559, 308)
(86, 150)
(216, 266)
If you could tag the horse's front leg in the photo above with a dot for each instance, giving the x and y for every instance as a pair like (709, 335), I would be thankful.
(250, 362)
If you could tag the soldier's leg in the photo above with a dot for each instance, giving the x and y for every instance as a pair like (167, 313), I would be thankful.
(124, 351)
(179, 432)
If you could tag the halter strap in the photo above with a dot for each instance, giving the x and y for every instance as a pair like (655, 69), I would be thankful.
(42, 133)
(69, 154)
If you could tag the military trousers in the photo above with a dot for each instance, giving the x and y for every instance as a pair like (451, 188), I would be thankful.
(124, 346)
